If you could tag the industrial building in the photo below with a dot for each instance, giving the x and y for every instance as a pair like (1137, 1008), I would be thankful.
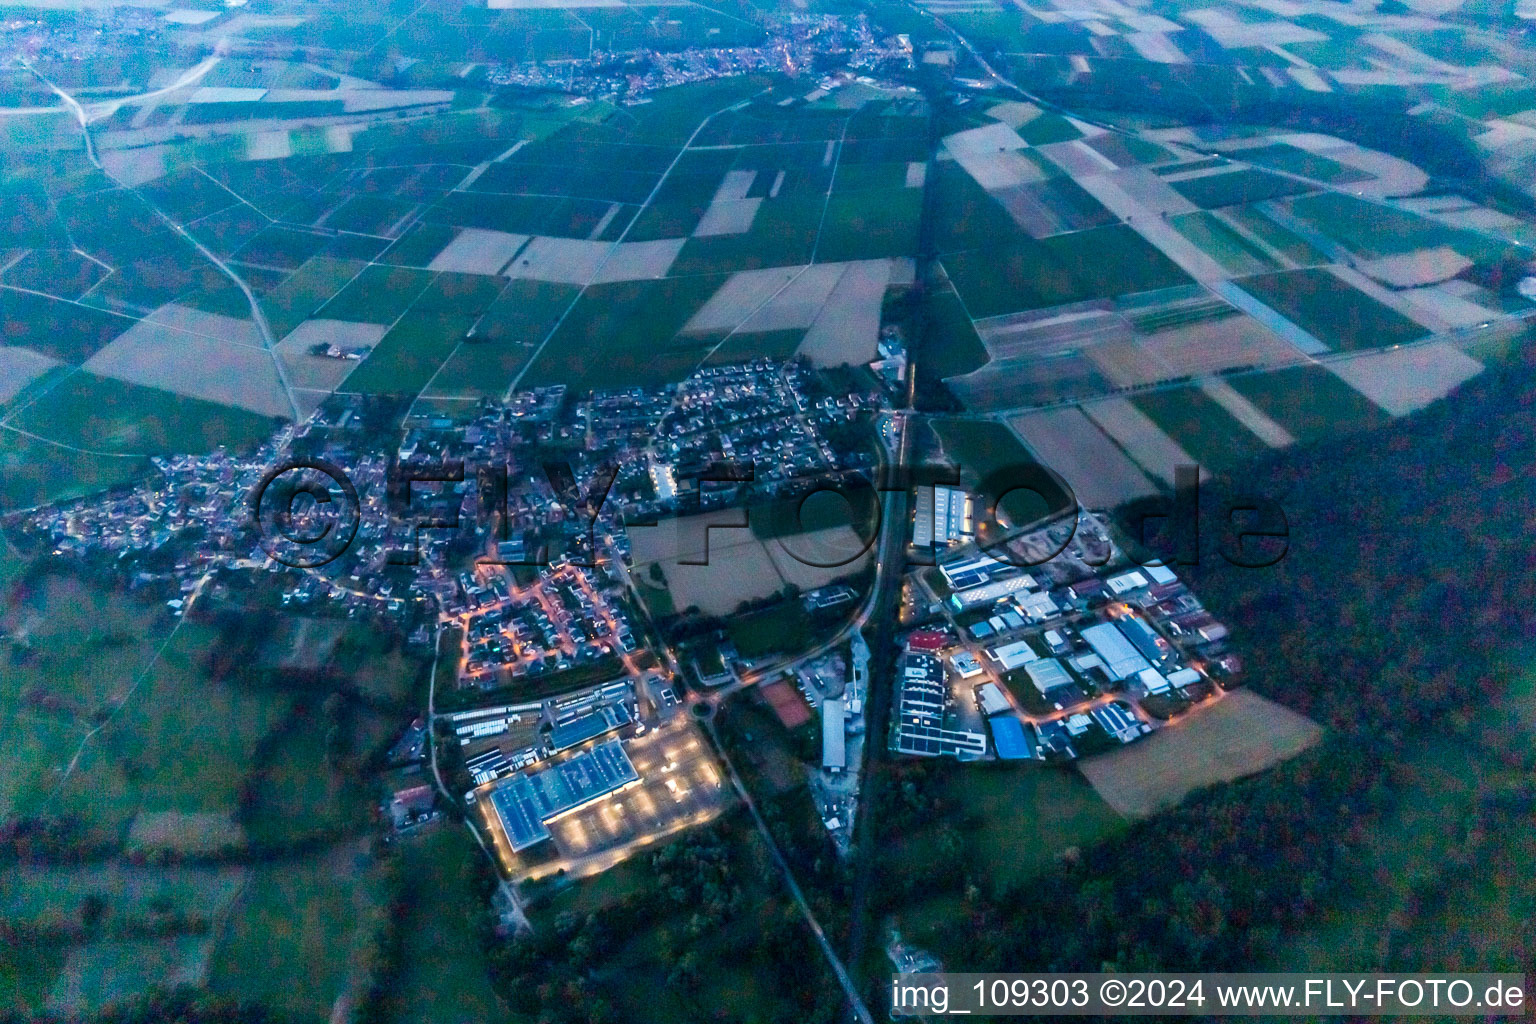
(1145, 639)
(1120, 657)
(944, 515)
(526, 803)
(1048, 674)
(1126, 582)
(1118, 721)
(973, 572)
(920, 720)
(588, 727)
(834, 757)
(1011, 656)
(990, 700)
(991, 591)
(1010, 739)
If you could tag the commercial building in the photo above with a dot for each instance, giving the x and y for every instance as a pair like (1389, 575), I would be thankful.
(528, 801)
(1120, 657)
(944, 515)
(920, 721)
(966, 665)
(834, 757)
(1011, 656)
(1048, 674)
(588, 727)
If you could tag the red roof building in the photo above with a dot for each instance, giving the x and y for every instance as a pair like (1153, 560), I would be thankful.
(927, 640)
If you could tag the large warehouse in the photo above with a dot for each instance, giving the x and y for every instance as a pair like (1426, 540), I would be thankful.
(528, 801)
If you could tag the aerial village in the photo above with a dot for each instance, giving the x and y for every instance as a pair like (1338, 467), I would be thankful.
(570, 721)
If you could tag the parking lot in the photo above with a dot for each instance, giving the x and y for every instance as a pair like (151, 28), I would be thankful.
(680, 784)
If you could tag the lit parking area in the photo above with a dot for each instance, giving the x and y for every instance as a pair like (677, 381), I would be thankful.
(680, 784)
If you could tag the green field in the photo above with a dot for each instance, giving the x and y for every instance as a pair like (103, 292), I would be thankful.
(783, 234)
(299, 790)
(1004, 823)
(1283, 240)
(1336, 313)
(870, 225)
(624, 332)
(309, 288)
(784, 627)
(965, 216)
(1096, 264)
(741, 346)
(170, 738)
(61, 272)
(300, 931)
(102, 414)
(504, 339)
(1246, 185)
(950, 345)
(409, 355)
(1373, 229)
(750, 954)
(1201, 427)
(377, 295)
(66, 331)
(1224, 245)
(982, 448)
(1282, 157)
(1309, 401)
(34, 471)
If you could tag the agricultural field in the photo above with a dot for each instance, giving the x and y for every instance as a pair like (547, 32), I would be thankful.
(1334, 312)
(1309, 402)
(1238, 735)
(453, 252)
(715, 561)
(1201, 426)
(299, 937)
(133, 742)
